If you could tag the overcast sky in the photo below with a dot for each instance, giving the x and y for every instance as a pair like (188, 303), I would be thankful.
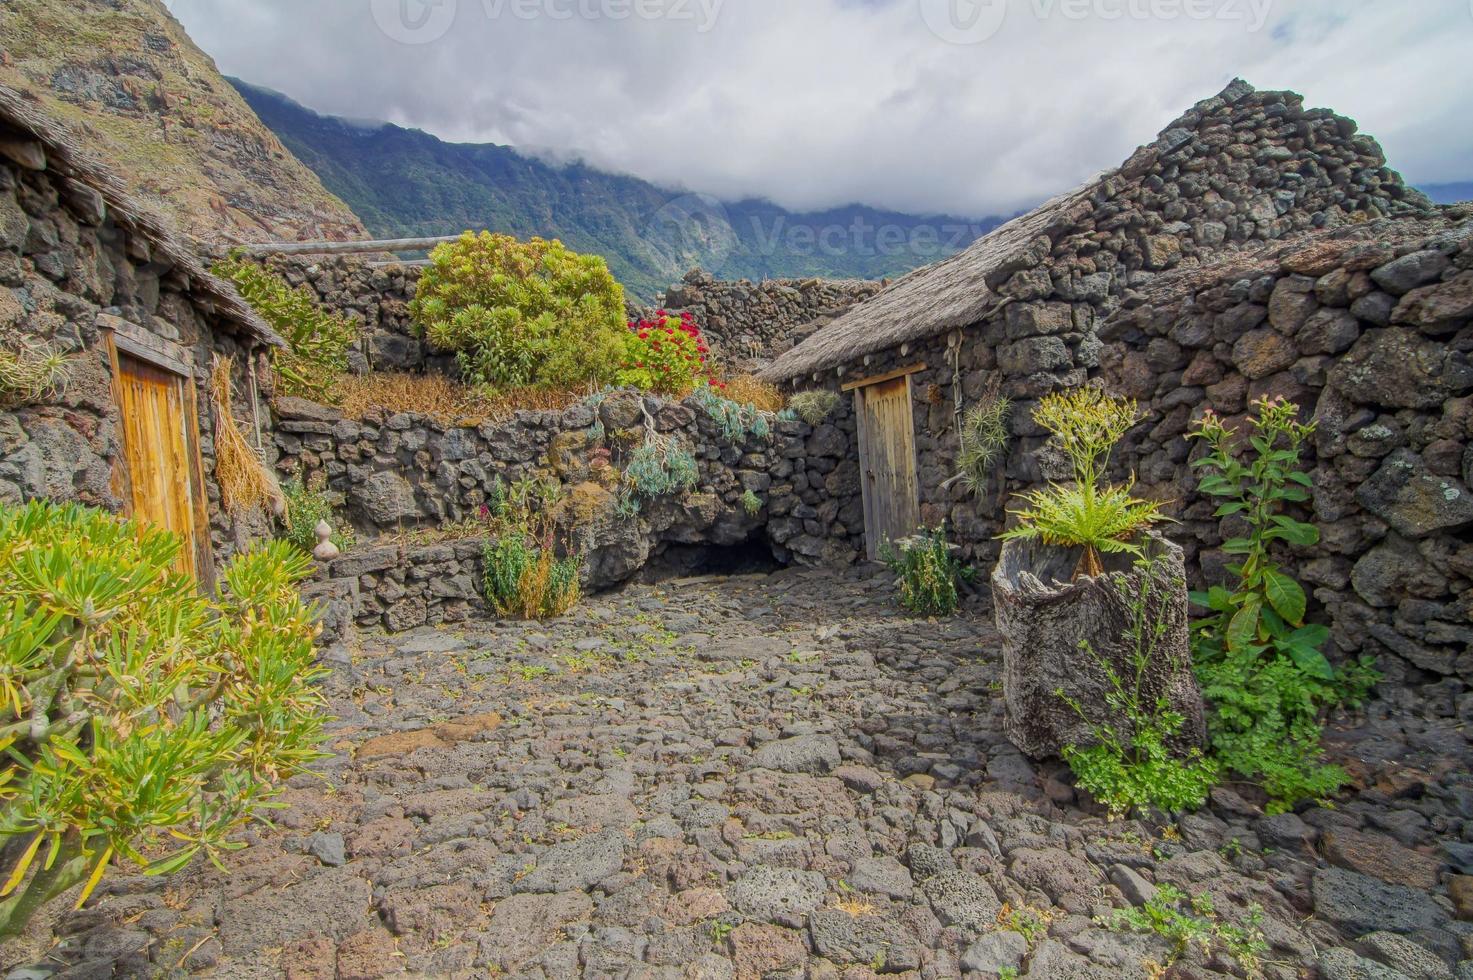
(968, 107)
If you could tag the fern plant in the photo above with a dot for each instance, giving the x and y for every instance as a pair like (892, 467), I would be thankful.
(1089, 513)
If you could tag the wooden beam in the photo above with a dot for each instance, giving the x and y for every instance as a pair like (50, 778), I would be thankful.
(887, 376)
(348, 248)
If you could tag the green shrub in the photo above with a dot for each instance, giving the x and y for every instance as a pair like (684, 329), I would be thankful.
(751, 503)
(1088, 513)
(814, 407)
(527, 580)
(929, 575)
(522, 313)
(317, 341)
(1194, 922)
(1134, 767)
(305, 508)
(666, 354)
(1259, 662)
(984, 440)
(143, 722)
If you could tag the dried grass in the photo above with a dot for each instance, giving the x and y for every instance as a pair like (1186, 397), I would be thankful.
(448, 402)
(748, 389)
(30, 371)
(245, 482)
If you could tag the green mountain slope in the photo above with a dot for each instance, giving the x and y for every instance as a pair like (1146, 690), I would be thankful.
(405, 182)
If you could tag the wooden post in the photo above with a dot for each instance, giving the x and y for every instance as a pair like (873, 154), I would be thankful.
(348, 248)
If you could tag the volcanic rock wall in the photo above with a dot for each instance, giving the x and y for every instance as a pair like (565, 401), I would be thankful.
(747, 323)
(1371, 335)
(392, 474)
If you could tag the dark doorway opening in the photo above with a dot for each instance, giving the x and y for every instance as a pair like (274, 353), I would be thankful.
(750, 557)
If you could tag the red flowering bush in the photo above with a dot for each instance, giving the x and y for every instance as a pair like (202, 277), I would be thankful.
(666, 354)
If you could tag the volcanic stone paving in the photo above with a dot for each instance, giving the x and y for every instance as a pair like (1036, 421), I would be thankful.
(767, 776)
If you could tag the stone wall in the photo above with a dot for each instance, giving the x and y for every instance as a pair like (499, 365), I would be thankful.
(747, 323)
(66, 268)
(1239, 178)
(1371, 335)
(751, 323)
(393, 474)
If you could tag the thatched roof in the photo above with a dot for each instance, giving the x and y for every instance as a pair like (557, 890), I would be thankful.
(962, 290)
(66, 158)
(955, 292)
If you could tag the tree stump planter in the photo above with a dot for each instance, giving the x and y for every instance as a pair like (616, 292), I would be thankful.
(1046, 623)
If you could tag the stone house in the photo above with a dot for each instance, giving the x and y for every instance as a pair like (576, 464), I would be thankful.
(88, 272)
(1055, 298)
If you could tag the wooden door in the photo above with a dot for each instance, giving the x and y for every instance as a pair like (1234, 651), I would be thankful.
(887, 462)
(160, 438)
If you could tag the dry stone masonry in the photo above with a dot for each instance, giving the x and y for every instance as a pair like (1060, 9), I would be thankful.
(1364, 319)
(1369, 330)
(392, 474)
(747, 323)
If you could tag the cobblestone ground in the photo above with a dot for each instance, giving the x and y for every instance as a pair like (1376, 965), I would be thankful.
(770, 776)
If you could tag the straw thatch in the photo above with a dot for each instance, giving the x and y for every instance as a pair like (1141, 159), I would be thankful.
(955, 292)
(65, 157)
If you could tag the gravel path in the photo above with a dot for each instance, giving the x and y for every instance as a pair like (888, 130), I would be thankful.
(768, 776)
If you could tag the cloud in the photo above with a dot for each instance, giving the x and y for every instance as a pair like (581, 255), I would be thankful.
(970, 107)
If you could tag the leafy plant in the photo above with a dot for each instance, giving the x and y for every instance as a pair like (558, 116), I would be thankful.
(929, 575)
(31, 370)
(1260, 663)
(737, 421)
(1135, 767)
(1267, 608)
(661, 467)
(529, 580)
(1089, 513)
(984, 440)
(317, 341)
(305, 509)
(1186, 922)
(143, 722)
(522, 313)
(523, 574)
(814, 407)
(751, 503)
(666, 354)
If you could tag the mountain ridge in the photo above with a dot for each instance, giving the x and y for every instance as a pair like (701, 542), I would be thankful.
(154, 107)
(408, 183)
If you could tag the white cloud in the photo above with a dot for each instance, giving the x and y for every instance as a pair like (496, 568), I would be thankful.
(816, 103)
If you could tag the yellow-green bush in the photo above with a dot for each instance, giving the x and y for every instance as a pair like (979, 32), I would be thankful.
(522, 313)
(317, 341)
(141, 721)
